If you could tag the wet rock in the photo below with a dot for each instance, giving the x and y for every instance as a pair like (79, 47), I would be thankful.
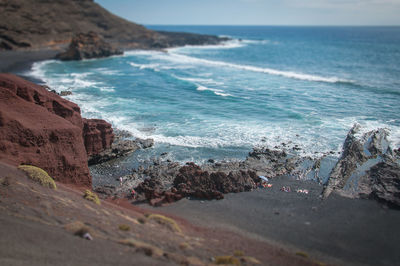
(65, 93)
(87, 46)
(145, 143)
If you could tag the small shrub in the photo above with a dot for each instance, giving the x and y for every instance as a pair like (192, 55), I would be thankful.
(302, 254)
(124, 227)
(147, 249)
(249, 260)
(89, 195)
(5, 182)
(184, 246)
(161, 219)
(227, 260)
(238, 253)
(38, 175)
(78, 228)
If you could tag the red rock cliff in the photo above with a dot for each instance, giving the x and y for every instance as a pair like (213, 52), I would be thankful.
(40, 128)
(98, 135)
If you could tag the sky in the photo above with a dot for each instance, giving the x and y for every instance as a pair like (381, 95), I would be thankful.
(257, 12)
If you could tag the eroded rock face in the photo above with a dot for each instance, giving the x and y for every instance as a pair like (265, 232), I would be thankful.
(87, 46)
(98, 136)
(367, 168)
(40, 128)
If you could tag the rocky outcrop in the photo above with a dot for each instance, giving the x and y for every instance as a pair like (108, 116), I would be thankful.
(27, 24)
(367, 168)
(191, 181)
(40, 128)
(98, 136)
(115, 144)
(87, 46)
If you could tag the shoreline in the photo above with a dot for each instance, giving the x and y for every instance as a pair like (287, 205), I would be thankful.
(17, 62)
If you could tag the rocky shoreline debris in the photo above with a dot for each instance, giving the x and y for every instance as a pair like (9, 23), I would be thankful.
(369, 171)
(122, 145)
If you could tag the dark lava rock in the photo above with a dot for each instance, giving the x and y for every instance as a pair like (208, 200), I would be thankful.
(367, 168)
(65, 93)
(386, 182)
(145, 143)
(86, 46)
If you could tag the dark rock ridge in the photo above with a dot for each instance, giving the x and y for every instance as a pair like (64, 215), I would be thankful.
(40, 128)
(121, 145)
(169, 182)
(87, 46)
(27, 24)
(367, 168)
(192, 181)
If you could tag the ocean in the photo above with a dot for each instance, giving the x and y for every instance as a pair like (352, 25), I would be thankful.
(279, 87)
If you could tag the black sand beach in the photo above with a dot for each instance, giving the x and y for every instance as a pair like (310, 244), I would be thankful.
(336, 230)
(20, 61)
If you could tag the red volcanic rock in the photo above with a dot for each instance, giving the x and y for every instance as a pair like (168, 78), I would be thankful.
(40, 128)
(98, 135)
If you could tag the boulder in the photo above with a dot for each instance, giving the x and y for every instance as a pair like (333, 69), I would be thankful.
(194, 182)
(86, 46)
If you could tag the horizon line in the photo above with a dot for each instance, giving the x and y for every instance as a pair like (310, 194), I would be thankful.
(266, 25)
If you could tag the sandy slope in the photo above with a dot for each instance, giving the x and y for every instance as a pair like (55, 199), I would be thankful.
(37, 227)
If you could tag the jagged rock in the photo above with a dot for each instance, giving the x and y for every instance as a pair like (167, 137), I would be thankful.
(367, 168)
(270, 163)
(86, 46)
(385, 177)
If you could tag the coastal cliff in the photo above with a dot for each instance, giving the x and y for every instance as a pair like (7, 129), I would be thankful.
(38, 127)
(26, 24)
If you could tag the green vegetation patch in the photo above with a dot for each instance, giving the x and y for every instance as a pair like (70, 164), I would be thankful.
(161, 219)
(230, 260)
(124, 227)
(145, 248)
(38, 175)
(89, 195)
(302, 254)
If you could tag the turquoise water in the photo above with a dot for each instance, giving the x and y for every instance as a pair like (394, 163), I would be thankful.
(302, 86)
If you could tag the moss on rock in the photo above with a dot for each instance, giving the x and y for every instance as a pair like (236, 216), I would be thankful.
(38, 175)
